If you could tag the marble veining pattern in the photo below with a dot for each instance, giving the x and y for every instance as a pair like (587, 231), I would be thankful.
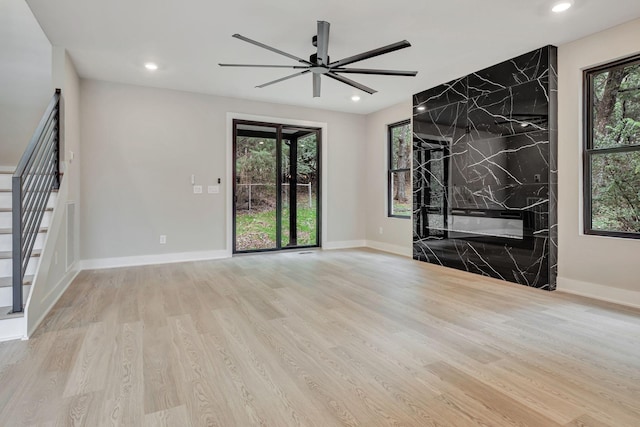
(485, 171)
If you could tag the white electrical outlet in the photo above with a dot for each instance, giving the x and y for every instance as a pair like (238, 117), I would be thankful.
(163, 239)
(213, 189)
(197, 189)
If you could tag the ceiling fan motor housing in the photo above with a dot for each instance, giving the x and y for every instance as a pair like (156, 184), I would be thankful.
(314, 59)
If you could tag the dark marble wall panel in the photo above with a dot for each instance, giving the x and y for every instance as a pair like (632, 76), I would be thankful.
(510, 111)
(485, 171)
(553, 167)
(525, 68)
(445, 94)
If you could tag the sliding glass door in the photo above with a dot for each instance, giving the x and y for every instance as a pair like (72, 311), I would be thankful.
(276, 187)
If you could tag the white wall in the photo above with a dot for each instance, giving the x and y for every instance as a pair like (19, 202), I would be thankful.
(602, 267)
(140, 147)
(25, 78)
(396, 232)
(56, 271)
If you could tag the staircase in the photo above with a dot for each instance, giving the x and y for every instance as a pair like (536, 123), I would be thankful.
(27, 197)
(6, 248)
(6, 315)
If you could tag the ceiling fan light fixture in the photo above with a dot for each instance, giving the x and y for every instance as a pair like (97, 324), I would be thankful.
(562, 6)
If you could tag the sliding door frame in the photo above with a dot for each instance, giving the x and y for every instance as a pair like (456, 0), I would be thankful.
(279, 138)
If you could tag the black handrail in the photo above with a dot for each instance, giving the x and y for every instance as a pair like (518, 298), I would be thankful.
(36, 176)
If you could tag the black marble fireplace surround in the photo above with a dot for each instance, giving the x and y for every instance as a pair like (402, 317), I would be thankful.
(485, 171)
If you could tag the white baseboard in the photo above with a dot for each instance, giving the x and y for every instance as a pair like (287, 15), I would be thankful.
(344, 244)
(52, 297)
(600, 292)
(394, 249)
(133, 261)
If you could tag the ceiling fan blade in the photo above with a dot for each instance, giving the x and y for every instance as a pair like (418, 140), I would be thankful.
(370, 54)
(323, 42)
(272, 49)
(316, 85)
(375, 72)
(264, 66)
(284, 78)
(351, 83)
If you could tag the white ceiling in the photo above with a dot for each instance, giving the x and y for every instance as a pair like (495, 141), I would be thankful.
(112, 39)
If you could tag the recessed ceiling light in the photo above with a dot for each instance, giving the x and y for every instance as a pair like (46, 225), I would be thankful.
(562, 6)
(355, 98)
(151, 66)
(421, 108)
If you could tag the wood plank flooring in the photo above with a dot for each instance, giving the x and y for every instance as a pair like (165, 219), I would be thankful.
(327, 338)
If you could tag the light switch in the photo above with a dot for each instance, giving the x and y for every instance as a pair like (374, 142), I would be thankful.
(213, 189)
(197, 189)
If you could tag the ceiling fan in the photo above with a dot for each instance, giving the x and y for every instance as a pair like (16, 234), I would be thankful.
(319, 64)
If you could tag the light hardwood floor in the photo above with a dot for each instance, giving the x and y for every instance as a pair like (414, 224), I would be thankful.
(353, 337)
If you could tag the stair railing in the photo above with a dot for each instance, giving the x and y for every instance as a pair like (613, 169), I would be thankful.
(37, 175)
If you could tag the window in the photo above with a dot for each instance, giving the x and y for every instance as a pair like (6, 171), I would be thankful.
(612, 149)
(399, 181)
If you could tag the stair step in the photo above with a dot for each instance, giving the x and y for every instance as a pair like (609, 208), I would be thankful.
(9, 230)
(6, 294)
(9, 254)
(48, 209)
(6, 241)
(8, 190)
(5, 282)
(5, 313)
(6, 201)
(6, 264)
(6, 217)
